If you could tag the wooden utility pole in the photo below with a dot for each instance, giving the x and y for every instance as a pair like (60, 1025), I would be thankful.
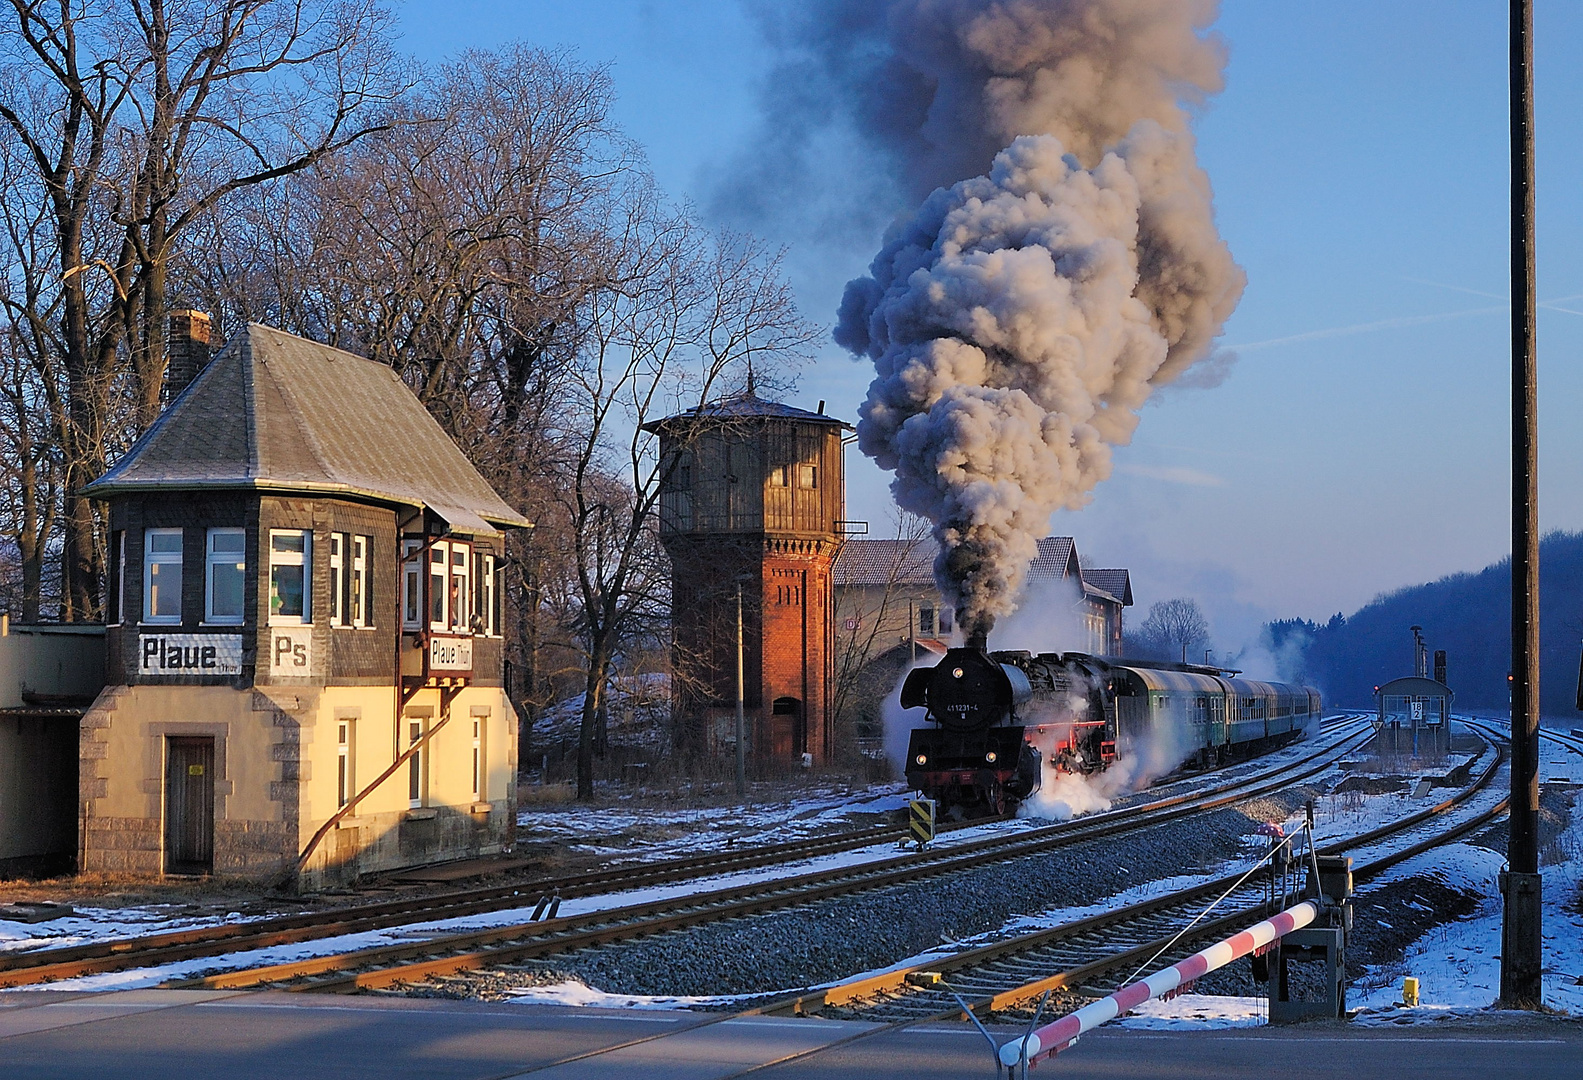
(742, 749)
(1521, 941)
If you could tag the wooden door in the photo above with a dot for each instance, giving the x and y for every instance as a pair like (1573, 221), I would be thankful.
(189, 805)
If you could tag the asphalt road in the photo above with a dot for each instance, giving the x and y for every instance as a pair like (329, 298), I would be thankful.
(195, 1035)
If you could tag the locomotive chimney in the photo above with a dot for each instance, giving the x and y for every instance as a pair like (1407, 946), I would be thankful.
(978, 637)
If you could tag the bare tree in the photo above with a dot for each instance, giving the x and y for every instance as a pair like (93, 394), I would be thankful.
(1174, 627)
(135, 118)
(682, 311)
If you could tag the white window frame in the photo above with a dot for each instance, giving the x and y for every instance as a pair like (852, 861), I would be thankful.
(491, 589)
(411, 586)
(478, 758)
(303, 558)
(439, 556)
(162, 558)
(415, 778)
(212, 559)
(337, 579)
(345, 761)
(459, 595)
(361, 580)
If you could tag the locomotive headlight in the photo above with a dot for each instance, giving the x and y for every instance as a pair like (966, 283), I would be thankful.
(922, 759)
(956, 673)
(991, 756)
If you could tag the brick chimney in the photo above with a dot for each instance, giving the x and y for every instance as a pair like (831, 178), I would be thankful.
(189, 350)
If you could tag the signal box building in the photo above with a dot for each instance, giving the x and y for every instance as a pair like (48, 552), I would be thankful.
(753, 500)
(304, 651)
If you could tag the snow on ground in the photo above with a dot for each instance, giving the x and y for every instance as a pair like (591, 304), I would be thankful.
(97, 924)
(647, 833)
(577, 994)
(1458, 964)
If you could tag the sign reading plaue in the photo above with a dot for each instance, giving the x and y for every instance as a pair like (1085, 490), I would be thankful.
(450, 654)
(189, 654)
(291, 650)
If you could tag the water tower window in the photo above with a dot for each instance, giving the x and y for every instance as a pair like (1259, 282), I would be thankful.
(808, 477)
(777, 476)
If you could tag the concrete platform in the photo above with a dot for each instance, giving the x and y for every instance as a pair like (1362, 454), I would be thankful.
(198, 1035)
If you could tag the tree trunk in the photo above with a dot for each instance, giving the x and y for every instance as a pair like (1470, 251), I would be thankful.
(593, 703)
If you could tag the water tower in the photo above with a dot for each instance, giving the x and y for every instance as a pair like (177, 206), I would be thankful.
(753, 501)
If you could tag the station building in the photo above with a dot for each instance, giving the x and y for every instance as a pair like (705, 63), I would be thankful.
(752, 505)
(304, 651)
(886, 595)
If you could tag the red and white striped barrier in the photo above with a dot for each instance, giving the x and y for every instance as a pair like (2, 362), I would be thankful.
(1055, 1037)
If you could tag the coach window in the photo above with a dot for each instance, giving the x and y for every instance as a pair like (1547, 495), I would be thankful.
(290, 576)
(225, 573)
(162, 576)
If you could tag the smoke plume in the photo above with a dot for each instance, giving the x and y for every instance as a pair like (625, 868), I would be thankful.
(1019, 320)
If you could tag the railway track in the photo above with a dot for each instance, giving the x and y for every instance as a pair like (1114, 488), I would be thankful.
(99, 957)
(444, 955)
(1015, 972)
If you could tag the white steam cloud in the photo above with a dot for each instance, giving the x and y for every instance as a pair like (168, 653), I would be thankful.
(1019, 320)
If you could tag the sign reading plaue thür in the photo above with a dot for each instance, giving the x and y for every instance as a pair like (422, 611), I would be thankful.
(189, 654)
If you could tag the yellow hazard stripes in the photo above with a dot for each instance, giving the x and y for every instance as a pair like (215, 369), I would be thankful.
(920, 821)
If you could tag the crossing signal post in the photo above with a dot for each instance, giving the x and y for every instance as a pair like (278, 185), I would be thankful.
(920, 821)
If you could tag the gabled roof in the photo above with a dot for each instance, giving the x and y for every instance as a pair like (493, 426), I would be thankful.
(886, 562)
(1115, 583)
(744, 406)
(1057, 559)
(280, 413)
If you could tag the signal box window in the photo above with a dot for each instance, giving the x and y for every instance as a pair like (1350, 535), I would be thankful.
(162, 576)
(226, 571)
(362, 581)
(290, 576)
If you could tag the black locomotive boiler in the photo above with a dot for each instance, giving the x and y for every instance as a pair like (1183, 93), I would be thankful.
(998, 718)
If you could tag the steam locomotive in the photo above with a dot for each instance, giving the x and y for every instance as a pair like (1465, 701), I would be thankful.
(999, 717)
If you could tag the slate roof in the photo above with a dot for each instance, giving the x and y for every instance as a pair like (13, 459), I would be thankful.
(744, 406)
(1117, 584)
(881, 562)
(277, 412)
(1057, 559)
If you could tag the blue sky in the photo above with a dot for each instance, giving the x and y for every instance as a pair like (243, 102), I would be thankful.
(1359, 162)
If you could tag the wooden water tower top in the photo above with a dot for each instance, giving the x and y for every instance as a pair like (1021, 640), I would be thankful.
(745, 465)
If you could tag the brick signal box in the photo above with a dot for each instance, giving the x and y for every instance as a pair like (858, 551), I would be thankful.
(754, 499)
